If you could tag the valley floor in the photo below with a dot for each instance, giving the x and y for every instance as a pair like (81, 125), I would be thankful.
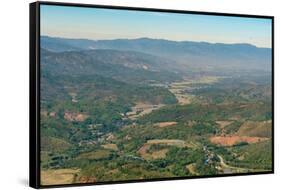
(194, 137)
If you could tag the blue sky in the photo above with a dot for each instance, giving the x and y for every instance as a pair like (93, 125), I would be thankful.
(93, 23)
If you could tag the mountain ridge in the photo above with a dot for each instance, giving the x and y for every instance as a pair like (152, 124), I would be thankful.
(185, 54)
(156, 39)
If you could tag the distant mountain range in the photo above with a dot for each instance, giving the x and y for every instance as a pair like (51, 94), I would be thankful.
(184, 55)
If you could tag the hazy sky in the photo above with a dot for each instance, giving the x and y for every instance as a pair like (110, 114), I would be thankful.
(92, 23)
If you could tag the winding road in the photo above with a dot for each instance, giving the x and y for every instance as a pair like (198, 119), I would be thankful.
(232, 169)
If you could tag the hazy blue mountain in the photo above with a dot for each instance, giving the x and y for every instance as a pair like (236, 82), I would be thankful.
(199, 55)
(57, 44)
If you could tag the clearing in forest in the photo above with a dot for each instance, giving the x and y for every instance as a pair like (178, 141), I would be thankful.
(165, 124)
(234, 140)
(141, 109)
(58, 176)
(146, 153)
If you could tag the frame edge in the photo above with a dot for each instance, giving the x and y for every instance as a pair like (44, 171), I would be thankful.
(35, 91)
(34, 175)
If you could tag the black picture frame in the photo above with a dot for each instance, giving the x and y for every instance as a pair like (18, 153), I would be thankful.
(34, 91)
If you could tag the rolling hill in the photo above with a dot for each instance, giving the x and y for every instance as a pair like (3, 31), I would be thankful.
(127, 66)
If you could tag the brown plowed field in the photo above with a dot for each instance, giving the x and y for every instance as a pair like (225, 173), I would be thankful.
(233, 140)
